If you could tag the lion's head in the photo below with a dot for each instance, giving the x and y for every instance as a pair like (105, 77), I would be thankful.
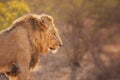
(46, 36)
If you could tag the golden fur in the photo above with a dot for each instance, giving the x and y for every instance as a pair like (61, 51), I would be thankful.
(23, 42)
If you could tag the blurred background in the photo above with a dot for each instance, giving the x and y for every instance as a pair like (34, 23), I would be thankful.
(90, 30)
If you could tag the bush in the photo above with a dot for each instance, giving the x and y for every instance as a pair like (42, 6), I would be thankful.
(10, 10)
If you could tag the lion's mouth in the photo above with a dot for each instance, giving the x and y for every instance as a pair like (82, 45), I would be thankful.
(53, 50)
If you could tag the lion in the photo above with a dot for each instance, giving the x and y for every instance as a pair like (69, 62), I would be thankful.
(24, 41)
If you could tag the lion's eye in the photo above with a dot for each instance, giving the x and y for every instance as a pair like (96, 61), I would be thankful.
(54, 35)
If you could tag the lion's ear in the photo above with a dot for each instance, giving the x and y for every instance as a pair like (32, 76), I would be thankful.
(42, 22)
(36, 24)
(46, 20)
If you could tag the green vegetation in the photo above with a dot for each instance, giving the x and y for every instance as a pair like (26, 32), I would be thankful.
(11, 10)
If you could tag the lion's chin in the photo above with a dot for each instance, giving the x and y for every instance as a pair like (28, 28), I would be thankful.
(53, 51)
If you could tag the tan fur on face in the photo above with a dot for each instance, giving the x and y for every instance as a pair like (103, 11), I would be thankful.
(23, 42)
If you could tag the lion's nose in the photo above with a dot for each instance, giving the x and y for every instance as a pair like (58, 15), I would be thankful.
(61, 44)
